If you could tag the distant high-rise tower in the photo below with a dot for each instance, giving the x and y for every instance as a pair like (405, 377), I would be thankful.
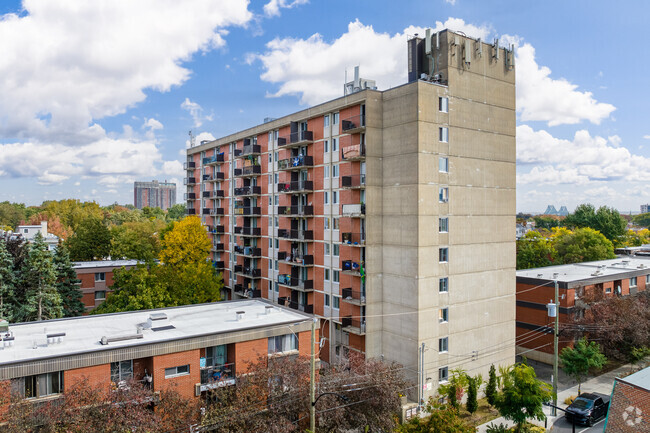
(645, 208)
(550, 210)
(154, 194)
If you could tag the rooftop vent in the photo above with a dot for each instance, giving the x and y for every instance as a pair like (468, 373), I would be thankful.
(106, 340)
(55, 338)
(159, 322)
(268, 309)
(240, 315)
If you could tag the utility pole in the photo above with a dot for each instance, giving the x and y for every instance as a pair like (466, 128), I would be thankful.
(312, 380)
(555, 355)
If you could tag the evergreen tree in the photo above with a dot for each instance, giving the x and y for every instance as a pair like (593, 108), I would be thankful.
(42, 301)
(6, 282)
(491, 388)
(66, 283)
(472, 394)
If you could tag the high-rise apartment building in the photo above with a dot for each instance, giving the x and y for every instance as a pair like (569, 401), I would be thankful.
(387, 214)
(154, 194)
(645, 208)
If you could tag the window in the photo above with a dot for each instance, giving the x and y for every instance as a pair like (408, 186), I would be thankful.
(99, 276)
(270, 264)
(443, 195)
(276, 156)
(100, 294)
(216, 355)
(647, 279)
(327, 274)
(327, 249)
(335, 144)
(443, 285)
(336, 224)
(443, 344)
(326, 120)
(443, 164)
(443, 374)
(444, 134)
(443, 255)
(326, 146)
(326, 171)
(335, 197)
(335, 171)
(276, 198)
(270, 177)
(181, 370)
(282, 343)
(336, 302)
(276, 178)
(443, 225)
(121, 370)
(42, 384)
(633, 282)
(277, 243)
(443, 315)
(327, 300)
(276, 265)
(335, 276)
(335, 118)
(335, 249)
(327, 197)
(326, 223)
(443, 104)
(277, 223)
(270, 160)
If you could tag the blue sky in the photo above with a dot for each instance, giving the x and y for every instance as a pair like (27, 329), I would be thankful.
(95, 95)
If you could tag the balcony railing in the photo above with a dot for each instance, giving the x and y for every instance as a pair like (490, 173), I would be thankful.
(217, 230)
(214, 176)
(189, 181)
(251, 170)
(248, 190)
(297, 235)
(248, 251)
(248, 231)
(215, 159)
(350, 267)
(190, 196)
(248, 210)
(287, 302)
(294, 139)
(296, 210)
(353, 296)
(354, 124)
(296, 186)
(353, 181)
(218, 193)
(353, 152)
(217, 376)
(251, 149)
(189, 165)
(218, 247)
(354, 239)
(248, 292)
(354, 210)
(248, 271)
(190, 211)
(354, 325)
(219, 265)
(295, 283)
(297, 260)
(296, 162)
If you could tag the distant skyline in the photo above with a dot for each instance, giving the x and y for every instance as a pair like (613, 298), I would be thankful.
(97, 95)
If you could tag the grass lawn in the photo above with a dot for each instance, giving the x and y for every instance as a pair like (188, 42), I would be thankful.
(484, 413)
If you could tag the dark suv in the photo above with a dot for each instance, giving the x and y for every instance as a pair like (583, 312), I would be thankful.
(587, 408)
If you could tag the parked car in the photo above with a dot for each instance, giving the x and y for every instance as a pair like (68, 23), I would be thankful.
(587, 408)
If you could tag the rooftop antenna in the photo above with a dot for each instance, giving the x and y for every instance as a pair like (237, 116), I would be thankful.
(192, 139)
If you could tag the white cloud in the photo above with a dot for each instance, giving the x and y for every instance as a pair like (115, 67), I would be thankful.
(202, 136)
(272, 8)
(451, 2)
(647, 137)
(313, 68)
(173, 168)
(196, 111)
(555, 101)
(152, 124)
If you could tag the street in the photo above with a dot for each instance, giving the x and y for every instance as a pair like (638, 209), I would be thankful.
(562, 425)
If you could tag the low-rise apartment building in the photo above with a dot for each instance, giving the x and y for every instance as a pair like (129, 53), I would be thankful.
(96, 278)
(576, 283)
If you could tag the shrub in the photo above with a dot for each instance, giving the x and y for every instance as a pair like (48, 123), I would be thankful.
(569, 399)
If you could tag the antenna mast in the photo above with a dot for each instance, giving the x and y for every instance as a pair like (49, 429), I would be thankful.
(191, 139)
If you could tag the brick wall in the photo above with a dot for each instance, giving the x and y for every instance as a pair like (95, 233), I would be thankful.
(98, 376)
(184, 385)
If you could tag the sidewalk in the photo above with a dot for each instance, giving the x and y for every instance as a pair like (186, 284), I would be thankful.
(566, 388)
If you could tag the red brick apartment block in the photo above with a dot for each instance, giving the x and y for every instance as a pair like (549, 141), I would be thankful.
(578, 283)
(629, 408)
(193, 348)
(96, 279)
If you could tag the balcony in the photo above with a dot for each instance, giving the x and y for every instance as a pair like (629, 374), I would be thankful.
(349, 267)
(295, 283)
(189, 165)
(248, 271)
(356, 181)
(353, 152)
(354, 326)
(189, 181)
(213, 194)
(248, 231)
(216, 159)
(219, 265)
(218, 247)
(248, 251)
(218, 211)
(299, 260)
(353, 297)
(353, 239)
(217, 176)
(247, 292)
(287, 302)
(251, 170)
(354, 210)
(217, 230)
(217, 376)
(296, 163)
(296, 139)
(354, 124)
(248, 190)
(296, 235)
(190, 196)
(296, 211)
(296, 186)
(248, 211)
(248, 150)
(190, 211)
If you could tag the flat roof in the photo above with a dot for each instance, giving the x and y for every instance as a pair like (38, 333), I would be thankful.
(105, 264)
(84, 334)
(623, 267)
(640, 379)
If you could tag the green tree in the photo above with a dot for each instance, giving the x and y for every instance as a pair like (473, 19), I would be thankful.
(491, 387)
(66, 283)
(42, 301)
(442, 419)
(6, 282)
(12, 214)
(137, 288)
(472, 393)
(535, 251)
(176, 212)
(91, 240)
(522, 395)
(73, 212)
(136, 240)
(152, 213)
(641, 219)
(577, 361)
(606, 220)
(583, 245)
(546, 222)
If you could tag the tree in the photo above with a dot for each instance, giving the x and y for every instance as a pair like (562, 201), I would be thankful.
(136, 240)
(583, 245)
(42, 301)
(176, 212)
(607, 221)
(187, 242)
(577, 361)
(12, 214)
(91, 240)
(6, 282)
(534, 251)
(472, 393)
(66, 283)
(522, 395)
(54, 224)
(491, 388)
(442, 419)
(642, 219)
(546, 221)
(152, 213)
(72, 212)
